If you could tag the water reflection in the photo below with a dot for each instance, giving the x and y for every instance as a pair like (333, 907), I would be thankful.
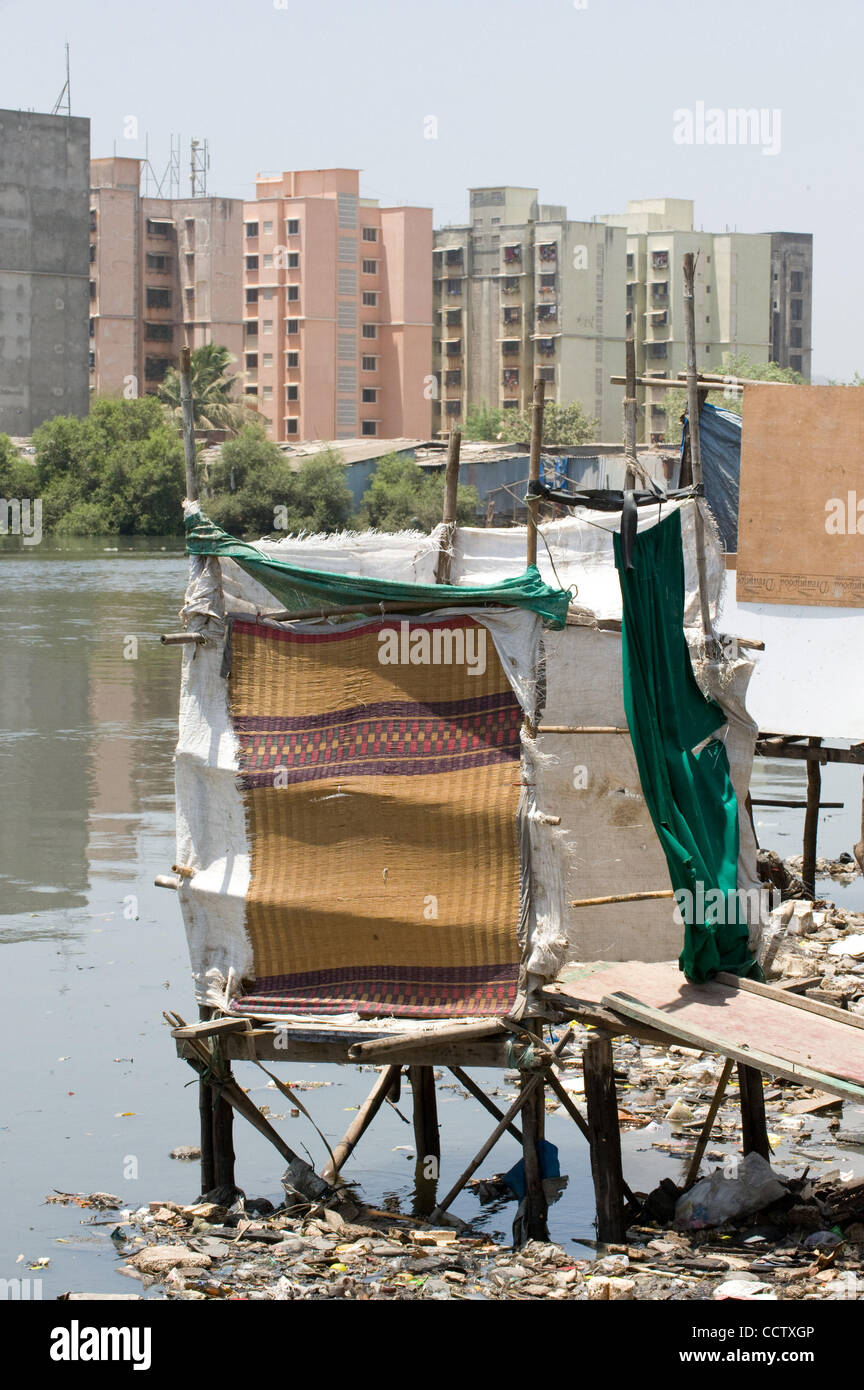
(88, 710)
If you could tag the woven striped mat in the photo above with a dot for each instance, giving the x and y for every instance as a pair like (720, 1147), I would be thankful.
(381, 787)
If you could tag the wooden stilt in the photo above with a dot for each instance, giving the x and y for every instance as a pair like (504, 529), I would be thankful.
(531, 1223)
(754, 1130)
(811, 819)
(427, 1139)
(205, 1112)
(223, 1125)
(361, 1122)
(605, 1137)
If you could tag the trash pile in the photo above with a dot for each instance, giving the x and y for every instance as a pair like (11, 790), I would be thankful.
(803, 939)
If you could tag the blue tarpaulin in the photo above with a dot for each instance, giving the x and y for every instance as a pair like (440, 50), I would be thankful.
(720, 437)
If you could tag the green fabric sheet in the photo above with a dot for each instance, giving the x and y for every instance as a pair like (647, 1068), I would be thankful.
(299, 588)
(689, 794)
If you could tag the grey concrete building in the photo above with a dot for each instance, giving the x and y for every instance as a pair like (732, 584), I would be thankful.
(792, 300)
(44, 235)
(523, 293)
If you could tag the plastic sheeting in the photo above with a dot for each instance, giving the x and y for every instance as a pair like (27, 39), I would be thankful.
(720, 440)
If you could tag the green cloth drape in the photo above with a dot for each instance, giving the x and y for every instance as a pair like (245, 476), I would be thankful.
(299, 588)
(689, 794)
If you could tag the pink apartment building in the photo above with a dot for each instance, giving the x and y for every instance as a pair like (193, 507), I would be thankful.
(337, 310)
(163, 272)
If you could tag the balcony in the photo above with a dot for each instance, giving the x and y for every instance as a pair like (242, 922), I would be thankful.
(453, 347)
(548, 251)
(510, 379)
(510, 284)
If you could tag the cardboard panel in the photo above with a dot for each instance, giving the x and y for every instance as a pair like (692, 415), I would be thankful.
(802, 480)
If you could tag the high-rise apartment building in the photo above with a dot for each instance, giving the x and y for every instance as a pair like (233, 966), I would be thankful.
(164, 272)
(523, 293)
(752, 297)
(337, 311)
(44, 175)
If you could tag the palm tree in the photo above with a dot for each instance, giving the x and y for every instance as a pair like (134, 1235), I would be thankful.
(213, 406)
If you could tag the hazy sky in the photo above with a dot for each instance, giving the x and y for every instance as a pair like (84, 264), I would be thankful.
(575, 99)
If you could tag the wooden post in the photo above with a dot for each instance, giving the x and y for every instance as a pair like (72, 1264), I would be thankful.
(811, 819)
(693, 407)
(533, 1214)
(754, 1130)
(602, 1105)
(223, 1140)
(708, 1125)
(205, 1111)
(427, 1140)
(188, 425)
(451, 486)
(534, 468)
(630, 414)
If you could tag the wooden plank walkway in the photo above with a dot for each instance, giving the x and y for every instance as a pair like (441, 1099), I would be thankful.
(772, 1030)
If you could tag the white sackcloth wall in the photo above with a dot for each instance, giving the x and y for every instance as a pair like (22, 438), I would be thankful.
(604, 843)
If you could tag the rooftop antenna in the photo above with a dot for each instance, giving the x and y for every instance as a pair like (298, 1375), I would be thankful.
(63, 107)
(174, 169)
(199, 164)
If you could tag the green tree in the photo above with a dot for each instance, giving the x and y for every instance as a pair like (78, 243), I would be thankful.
(256, 489)
(18, 477)
(402, 495)
(482, 422)
(214, 403)
(735, 364)
(118, 471)
(562, 424)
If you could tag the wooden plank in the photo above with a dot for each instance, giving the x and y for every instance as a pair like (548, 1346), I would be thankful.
(395, 1043)
(788, 995)
(797, 531)
(246, 1047)
(700, 1036)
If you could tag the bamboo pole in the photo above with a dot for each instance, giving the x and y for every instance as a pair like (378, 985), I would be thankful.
(630, 415)
(622, 898)
(693, 407)
(534, 469)
(708, 1125)
(451, 488)
(188, 414)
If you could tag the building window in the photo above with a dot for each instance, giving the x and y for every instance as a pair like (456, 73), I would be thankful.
(510, 284)
(369, 364)
(370, 299)
(292, 293)
(155, 260)
(454, 318)
(453, 377)
(511, 347)
(251, 361)
(369, 427)
(548, 251)
(795, 363)
(796, 281)
(92, 360)
(292, 393)
(267, 393)
(547, 373)
(656, 349)
(453, 348)
(452, 407)
(92, 289)
(251, 262)
(292, 360)
(547, 313)
(291, 424)
(251, 328)
(370, 233)
(157, 228)
(512, 314)
(292, 326)
(267, 359)
(268, 261)
(660, 260)
(267, 325)
(510, 404)
(629, 260)
(292, 226)
(159, 332)
(93, 252)
(155, 368)
(293, 260)
(454, 286)
(268, 228)
(157, 298)
(251, 296)
(267, 293)
(510, 379)
(512, 255)
(370, 330)
(250, 390)
(92, 328)
(796, 307)
(251, 230)
(453, 256)
(369, 267)
(369, 395)
(795, 337)
(660, 289)
(546, 346)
